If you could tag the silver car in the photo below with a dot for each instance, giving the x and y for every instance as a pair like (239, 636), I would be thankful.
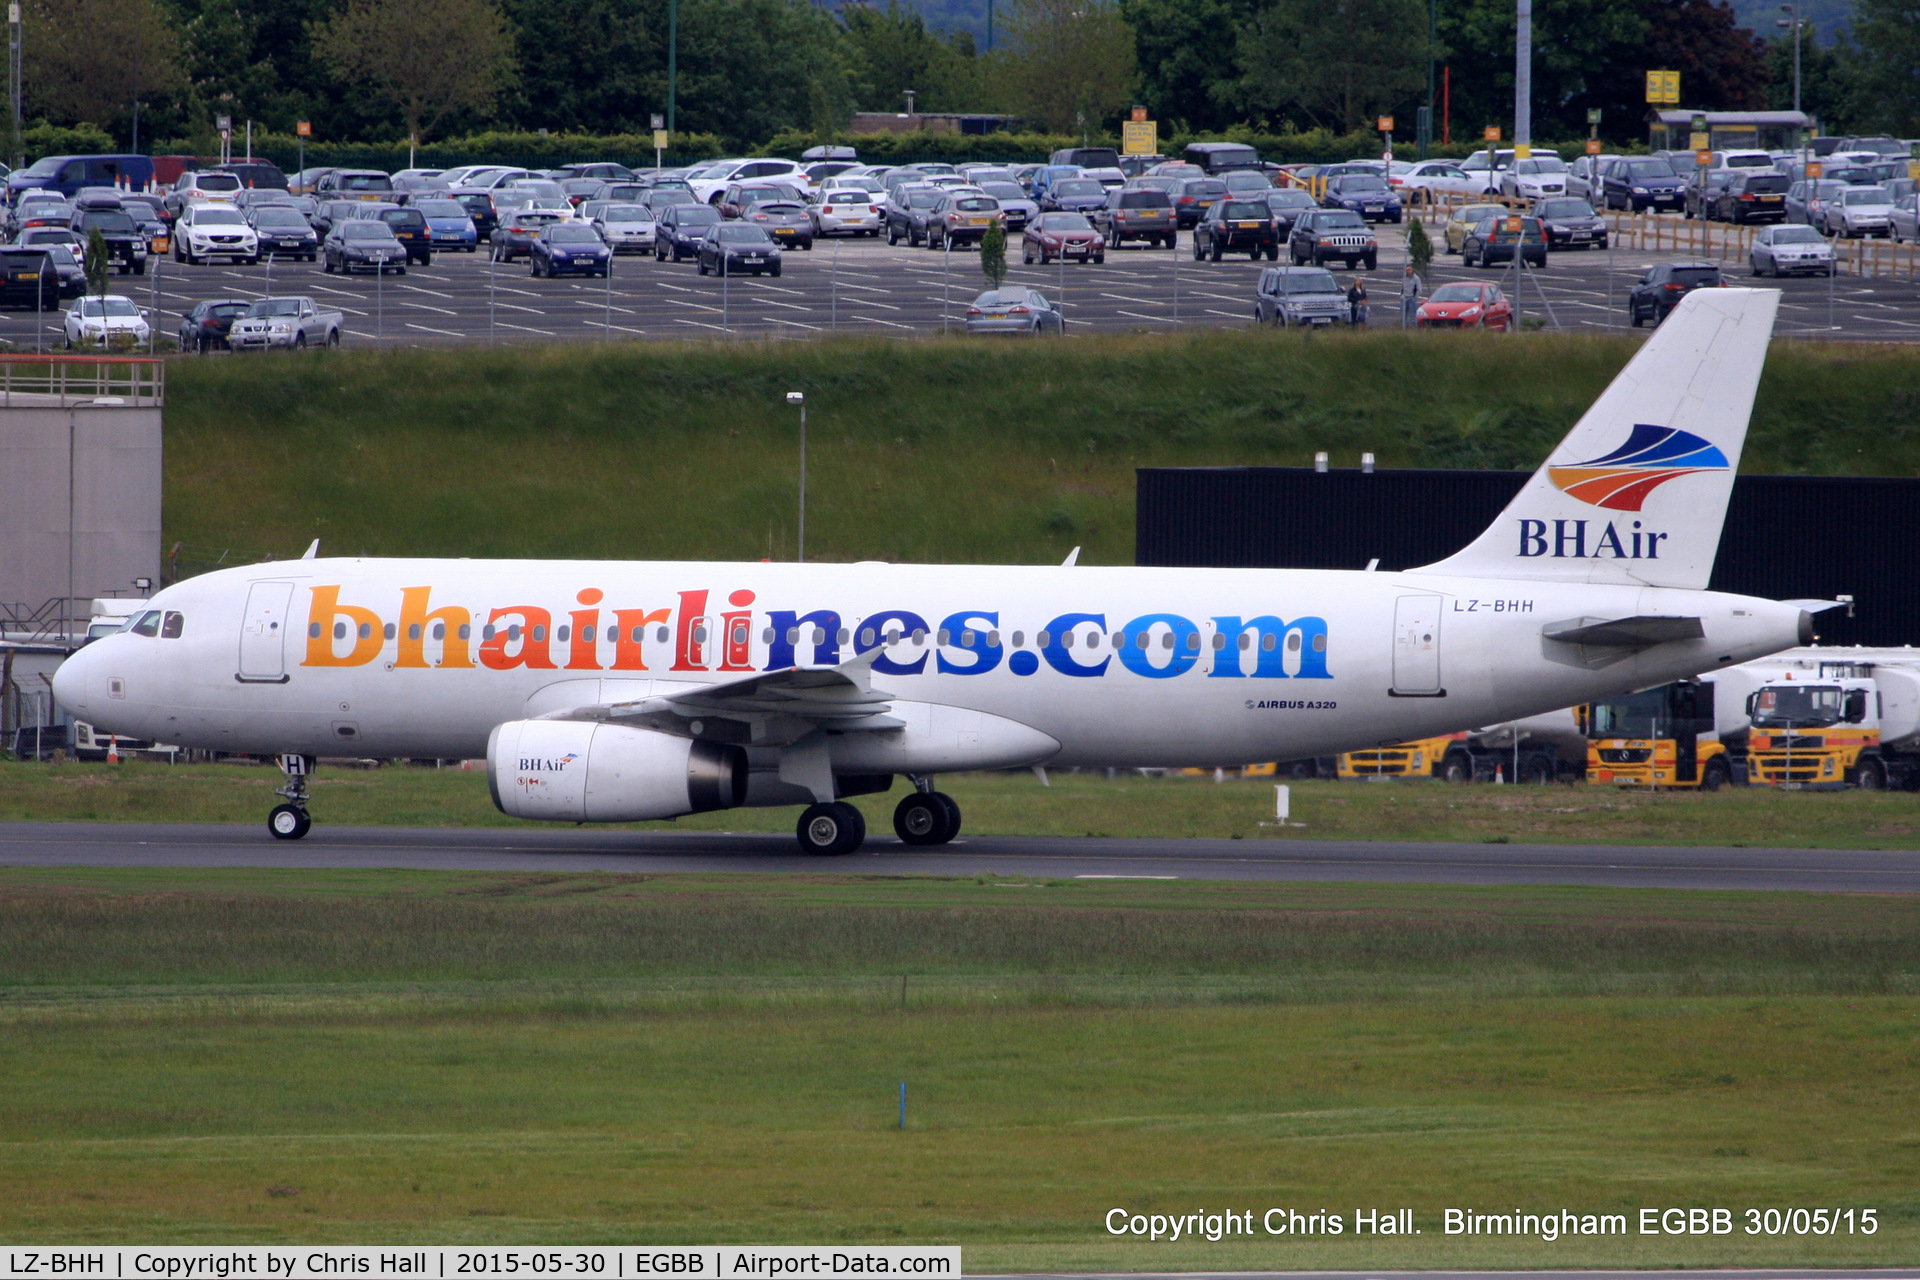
(1904, 222)
(627, 228)
(849, 211)
(1857, 212)
(1014, 309)
(1789, 248)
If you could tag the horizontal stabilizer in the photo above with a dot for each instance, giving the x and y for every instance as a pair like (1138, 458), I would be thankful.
(1623, 633)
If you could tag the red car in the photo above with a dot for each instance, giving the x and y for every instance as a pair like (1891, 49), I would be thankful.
(1465, 306)
(1061, 235)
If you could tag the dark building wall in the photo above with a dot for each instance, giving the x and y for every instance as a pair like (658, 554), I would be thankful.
(1786, 537)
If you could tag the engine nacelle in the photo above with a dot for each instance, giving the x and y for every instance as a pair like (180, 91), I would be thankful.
(582, 771)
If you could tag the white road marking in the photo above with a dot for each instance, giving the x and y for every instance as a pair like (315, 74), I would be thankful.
(427, 328)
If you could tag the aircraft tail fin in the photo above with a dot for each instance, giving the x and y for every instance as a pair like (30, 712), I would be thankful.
(1637, 491)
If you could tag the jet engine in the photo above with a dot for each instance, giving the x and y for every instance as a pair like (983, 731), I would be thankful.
(582, 771)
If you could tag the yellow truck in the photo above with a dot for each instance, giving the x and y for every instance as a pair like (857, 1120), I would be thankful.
(1658, 738)
(1421, 758)
(1848, 723)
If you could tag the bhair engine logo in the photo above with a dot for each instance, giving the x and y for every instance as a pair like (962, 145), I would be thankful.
(536, 764)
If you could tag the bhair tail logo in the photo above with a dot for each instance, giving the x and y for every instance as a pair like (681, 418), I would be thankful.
(1652, 455)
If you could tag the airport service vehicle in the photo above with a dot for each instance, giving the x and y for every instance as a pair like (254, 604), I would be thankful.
(288, 324)
(1666, 736)
(1836, 719)
(110, 322)
(1537, 750)
(621, 691)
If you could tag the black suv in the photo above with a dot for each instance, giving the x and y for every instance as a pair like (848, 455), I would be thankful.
(126, 243)
(409, 227)
(1753, 195)
(1661, 289)
(1239, 225)
(28, 278)
(1321, 236)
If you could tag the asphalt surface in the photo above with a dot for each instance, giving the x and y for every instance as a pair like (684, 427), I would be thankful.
(864, 286)
(49, 844)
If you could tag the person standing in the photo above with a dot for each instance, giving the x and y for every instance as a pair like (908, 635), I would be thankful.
(1357, 303)
(1410, 288)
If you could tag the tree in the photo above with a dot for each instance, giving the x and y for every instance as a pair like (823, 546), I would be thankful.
(1419, 247)
(424, 58)
(87, 60)
(993, 253)
(890, 51)
(1183, 80)
(1069, 63)
(586, 65)
(1888, 36)
(1340, 63)
(97, 258)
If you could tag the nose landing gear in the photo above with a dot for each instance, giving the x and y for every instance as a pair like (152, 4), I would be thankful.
(290, 821)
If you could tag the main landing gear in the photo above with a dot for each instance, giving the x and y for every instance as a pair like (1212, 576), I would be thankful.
(290, 821)
(925, 816)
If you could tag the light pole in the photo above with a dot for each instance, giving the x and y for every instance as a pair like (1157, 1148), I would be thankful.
(799, 401)
(1793, 9)
(673, 58)
(1522, 81)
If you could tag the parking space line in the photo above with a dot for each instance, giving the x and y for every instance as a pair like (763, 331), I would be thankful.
(435, 292)
(524, 329)
(430, 329)
(1159, 319)
(424, 306)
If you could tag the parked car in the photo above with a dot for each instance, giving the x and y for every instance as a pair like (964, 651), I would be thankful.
(1237, 226)
(1858, 212)
(733, 248)
(1703, 192)
(1287, 204)
(1571, 223)
(961, 218)
(201, 188)
(847, 211)
(1193, 197)
(281, 232)
(67, 266)
(409, 227)
(126, 242)
(1138, 213)
(257, 175)
(569, 248)
(38, 211)
(1641, 183)
(515, 235)
(1789, 249)
(1655, 295)
(1464, 306)
(1430, 179)
(626, 227)
(1014, 309)
(789, 222)
(1366, 194)
(1497, 239)
(207, 324)
(909, 211)
(208, 231)
(681, 230)
(1753, 195)
(354, 184)
(1903, 223)
(1538, 178)
(327, 213)
(1464, 219)
(28, 279)
(288, 324)
(362, 244)
(1074, 195)
(1300, 296)
(1326, 235)
(736, 201)
(1583, 176)
(110, 322)
(1016, 206)
(450, 227)
(1063, 236)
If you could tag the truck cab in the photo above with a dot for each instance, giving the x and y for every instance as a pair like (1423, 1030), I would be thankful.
(1420, 758)
(1658, 738)
(1852, 724)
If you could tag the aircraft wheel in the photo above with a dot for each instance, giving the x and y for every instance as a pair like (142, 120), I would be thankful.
(953, 813)
(831, 829)
(922, 818)
(288, 823)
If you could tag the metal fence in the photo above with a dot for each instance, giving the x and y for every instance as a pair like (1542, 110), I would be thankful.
(66, 381)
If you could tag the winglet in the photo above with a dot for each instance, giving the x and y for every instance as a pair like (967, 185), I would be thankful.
(313, 549)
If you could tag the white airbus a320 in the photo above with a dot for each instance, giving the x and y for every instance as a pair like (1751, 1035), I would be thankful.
(612, 691)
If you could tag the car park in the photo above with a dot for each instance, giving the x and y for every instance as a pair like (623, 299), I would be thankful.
(207, 324)
(1571, 223)
(1366, 194)
(281, 232)
(1237, 226)
(1014, 309)
(1641, 183)
(107, 322)
(126, 243)
(28, 279)
(1138, 213)
(1300, 297)
(1536, 178)
(208, 231)
(1753, 195)
(1193, 197)
(1286, 204)
(1857, 212)
(681, 229)
(1464, 306)
(1655, 295)
(1062, 236)
(961, 218)
(409, 227)
(569, 249)
(847, 211)
(1497, 239)
(1328, 235)
(1789, 249)
(626, 227)
(909, 211)
(285, 324)
(732, 248)
(362, 244)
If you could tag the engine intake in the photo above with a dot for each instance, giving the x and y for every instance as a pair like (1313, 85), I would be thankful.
(581, 771)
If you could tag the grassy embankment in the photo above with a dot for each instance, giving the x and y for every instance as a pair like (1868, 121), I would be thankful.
(1016, 804)
(936, 451)
(236, 1055)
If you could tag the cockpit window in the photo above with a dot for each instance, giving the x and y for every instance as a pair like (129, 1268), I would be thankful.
(149, 624)
(170, 629)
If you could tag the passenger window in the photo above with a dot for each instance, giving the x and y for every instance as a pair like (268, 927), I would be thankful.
(170, 629)
(149, 624)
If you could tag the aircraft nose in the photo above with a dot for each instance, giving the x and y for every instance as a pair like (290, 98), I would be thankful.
(72, 681)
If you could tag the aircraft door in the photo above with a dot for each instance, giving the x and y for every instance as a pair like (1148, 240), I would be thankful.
(1416, 647)
(263, 634)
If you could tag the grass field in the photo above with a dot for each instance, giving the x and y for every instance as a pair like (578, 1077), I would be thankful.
(937, 451)
(253, 1055)
(1016, 804)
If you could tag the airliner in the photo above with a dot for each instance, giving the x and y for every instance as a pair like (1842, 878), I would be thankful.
(620, 691)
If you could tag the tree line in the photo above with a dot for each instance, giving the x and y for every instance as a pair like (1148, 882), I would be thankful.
(379, 70)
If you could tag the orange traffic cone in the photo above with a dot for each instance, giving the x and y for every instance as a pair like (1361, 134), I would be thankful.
(113, 751)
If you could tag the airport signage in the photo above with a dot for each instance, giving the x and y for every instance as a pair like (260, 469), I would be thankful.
(437, 1262)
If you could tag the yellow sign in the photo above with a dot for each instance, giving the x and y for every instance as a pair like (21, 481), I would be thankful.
(1593, 146)
(1523, 151)
(304, 129)
(1663, 88)
(1139, 137)
(1913, 170)
(659, 139)
(1698, 142)
(1386, 124)
(1492, 133)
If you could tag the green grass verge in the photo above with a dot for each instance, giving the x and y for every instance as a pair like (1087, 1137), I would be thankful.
(472, 1057)
(1016, 804)
(936, 451)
